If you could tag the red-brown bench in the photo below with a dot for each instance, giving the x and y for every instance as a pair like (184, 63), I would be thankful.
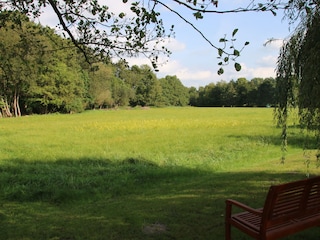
(289, 208)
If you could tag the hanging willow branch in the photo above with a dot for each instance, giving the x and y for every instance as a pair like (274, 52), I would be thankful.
(298, 78)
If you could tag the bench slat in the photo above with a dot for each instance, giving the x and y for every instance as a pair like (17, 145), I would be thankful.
(288, 208)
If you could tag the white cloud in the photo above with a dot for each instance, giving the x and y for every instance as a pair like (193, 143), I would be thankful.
(249, 73)
(268, 61)
(185, 73)
(138, 61)
(188, 76)
(174, 45)
(169, 68)
(262, 72)
(48, 17)
(118, 7)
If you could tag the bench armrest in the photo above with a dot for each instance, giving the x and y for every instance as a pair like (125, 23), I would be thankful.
(230, 202)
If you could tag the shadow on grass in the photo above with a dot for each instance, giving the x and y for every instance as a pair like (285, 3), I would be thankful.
(128, 199)
(295, 139)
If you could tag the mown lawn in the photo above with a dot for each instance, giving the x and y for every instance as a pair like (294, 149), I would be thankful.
(140, 173)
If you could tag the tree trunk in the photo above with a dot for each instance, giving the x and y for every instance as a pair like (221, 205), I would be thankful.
(16, 107)
(6, 109)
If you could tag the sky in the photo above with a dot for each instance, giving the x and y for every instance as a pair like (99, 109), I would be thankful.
(195, 62)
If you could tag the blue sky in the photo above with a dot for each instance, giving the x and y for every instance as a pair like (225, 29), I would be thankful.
(194, 61)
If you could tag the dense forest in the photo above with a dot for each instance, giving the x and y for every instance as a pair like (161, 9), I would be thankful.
(43, 72)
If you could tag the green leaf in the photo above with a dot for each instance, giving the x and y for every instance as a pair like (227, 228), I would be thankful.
(237, 66)
(223, 40)
(226, 59)
(220, 52)
(220, 71)
(308, 10)
(124, 1)
(247, 43)
(236, 53)
(198, 15)
(234, 32)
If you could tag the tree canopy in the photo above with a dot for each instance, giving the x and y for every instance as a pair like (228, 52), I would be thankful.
(41, 72)
(298, 72)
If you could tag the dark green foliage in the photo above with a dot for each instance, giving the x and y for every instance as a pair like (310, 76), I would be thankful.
(298, 72)
(257, 92)
(17, 53)
(309, 85)
(146, 86)
(40, 72)
(173, 92)
(193, 96)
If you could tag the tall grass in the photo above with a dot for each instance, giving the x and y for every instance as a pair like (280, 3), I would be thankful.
(139, 174)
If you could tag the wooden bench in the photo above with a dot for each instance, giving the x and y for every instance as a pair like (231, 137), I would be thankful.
(289, 208)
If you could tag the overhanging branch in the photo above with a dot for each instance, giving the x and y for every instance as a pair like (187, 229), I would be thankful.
(188, 22)
(65, 28)
(272, 6)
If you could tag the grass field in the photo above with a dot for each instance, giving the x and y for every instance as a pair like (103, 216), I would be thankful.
(140, 173)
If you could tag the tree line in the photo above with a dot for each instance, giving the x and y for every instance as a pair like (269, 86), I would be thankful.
(41, 72)
(257, 92)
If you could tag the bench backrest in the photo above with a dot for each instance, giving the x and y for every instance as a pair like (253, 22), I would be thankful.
(291, 200)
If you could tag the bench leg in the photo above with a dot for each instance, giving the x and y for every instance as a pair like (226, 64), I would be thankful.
(228, 231)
